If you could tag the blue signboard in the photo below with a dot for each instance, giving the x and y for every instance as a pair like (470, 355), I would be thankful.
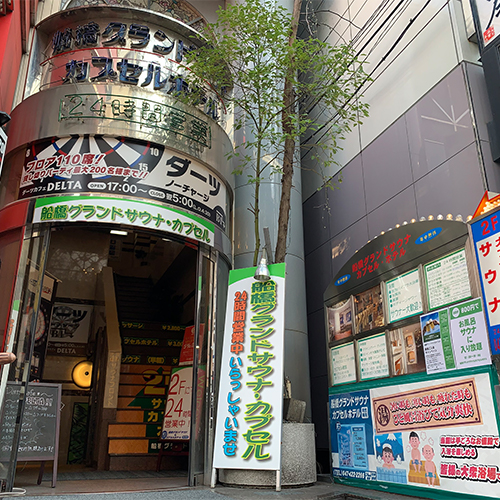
(486, 239)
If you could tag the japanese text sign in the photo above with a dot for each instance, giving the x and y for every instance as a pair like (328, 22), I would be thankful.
(440, 406)
(439, 434)
(486, 238)
(469, 334)
(120, 211)
(249, 413)
(404, 298)
(124, 167)
(177, 418)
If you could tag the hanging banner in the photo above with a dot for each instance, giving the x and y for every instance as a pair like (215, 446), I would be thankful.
(125, 167)
(249, 413)
(439, 434)
(485, 233)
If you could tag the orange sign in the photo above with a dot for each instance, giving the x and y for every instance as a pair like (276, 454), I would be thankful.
(446, 405)
(488, 202)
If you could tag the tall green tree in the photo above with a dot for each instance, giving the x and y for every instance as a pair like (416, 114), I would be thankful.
(279, 88)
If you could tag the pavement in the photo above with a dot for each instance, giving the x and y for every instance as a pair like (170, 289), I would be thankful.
(321, 490)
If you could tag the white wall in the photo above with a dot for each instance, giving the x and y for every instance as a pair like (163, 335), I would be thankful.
(433, 44)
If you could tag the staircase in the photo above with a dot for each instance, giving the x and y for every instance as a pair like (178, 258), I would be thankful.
(150, 349)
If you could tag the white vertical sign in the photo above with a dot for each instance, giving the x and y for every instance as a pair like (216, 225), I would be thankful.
(249, 413)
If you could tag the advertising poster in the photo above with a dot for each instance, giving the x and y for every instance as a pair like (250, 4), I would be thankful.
(373, 362)
(439, 434)
(340, 320)
(249, 411)
(438, 348)
(69, 329)
(485, 233)
(343, 364)
(469, 334)
(177, 417)
(447, 280)
(369, 310)
(404, 298)
(125, 167)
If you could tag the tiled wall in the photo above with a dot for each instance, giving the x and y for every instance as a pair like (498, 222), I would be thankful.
(433, 160)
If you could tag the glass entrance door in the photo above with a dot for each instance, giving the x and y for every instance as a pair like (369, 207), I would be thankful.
(19, 339)
(203, 373)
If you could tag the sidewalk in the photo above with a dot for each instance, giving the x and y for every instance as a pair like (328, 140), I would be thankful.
(319, 491)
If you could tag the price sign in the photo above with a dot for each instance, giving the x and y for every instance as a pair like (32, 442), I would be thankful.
(177, 419)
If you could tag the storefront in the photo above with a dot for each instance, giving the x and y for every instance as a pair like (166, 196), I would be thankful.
(412, 404)
(115, 239)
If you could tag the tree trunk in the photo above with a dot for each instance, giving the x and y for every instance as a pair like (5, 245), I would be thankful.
(289, 149)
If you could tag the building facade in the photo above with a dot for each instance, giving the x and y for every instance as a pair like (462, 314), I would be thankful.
(120, 217)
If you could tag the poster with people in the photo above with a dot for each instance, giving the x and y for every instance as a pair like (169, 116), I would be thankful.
(441, 434)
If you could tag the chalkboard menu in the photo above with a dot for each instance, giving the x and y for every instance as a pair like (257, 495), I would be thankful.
(40, 429)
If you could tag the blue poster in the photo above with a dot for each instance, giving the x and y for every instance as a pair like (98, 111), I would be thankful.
(351, 432)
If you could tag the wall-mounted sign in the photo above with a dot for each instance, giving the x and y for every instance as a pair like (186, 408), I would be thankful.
(340, 320)
(447, 280)
(343, 364)
(488, 18)
(249, 412)
(124, 167)
(118, 52)
(373, 362)
(122, 211)
(404, 298)
(438, 348)
(469, 334)
(440, 435)
(404, 247)
(485, 234)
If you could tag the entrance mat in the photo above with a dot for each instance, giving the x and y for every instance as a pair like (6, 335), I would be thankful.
(111, 474)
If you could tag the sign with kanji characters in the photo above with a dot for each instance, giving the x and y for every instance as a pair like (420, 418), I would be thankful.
(146, 56)
(440, 434)
(373, 361)
(438, 349)
(486, 238)
(488, 12)
(351, 434)
(249, 412)
(469, 334)
(343, 363)
(121, 211)
(69, 329)
(447, 280)
(126, 167)
(404, 298)
(402, 248)
(177, 418)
